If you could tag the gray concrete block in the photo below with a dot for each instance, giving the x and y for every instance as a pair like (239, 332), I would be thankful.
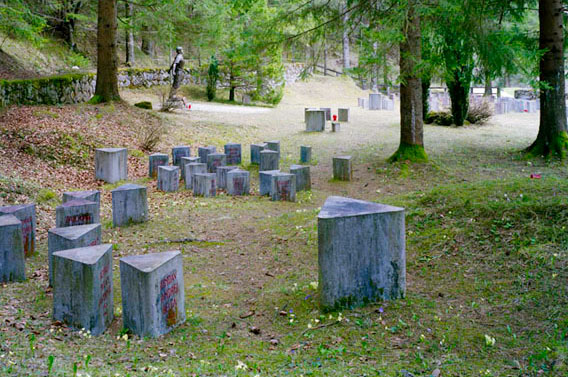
(204, 184)
(315, 121)
(83, 289)
(238, 182)
(190, 170)
(152, 292)
(185, 161)
(361, 252)
(215, 160)
(265, 178)
(274, 146)
(12, 256)
(335, 127)
(342, 168)
(305, 154)
(343, 114)
(77, 212)
(179, 152)
(222, 175)
(269, 160)
(168, 178)
(90, 195)
(255, 150)
(204, 151)
(129, 205)
(327, 111)
(111, 164)
(306, 109)
(71, 237)
(155, 160)
(26, 213)
(283, 187)
(375, 101)
(303, 177)
(234, 153)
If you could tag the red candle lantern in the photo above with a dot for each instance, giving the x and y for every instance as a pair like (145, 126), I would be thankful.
(334, 117)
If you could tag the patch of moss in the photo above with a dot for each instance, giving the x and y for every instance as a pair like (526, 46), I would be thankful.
(45, 195)
(411, 153)
(147, 105)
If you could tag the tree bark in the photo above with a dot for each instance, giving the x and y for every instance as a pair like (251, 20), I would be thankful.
(459, 94)
(425, 97)
(129, 8)
(346, 51)
(324, 55)
(107, 62)
(488, 88)
(552, 139)
(147, 46)
(411, 124)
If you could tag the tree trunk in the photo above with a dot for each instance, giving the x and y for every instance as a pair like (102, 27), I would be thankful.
(147, 46)
(107, 62)
(459, 95)
(488, 88)
(375, 70)
(324, 55)
(411, 125)
(346, 52)
(129, 8)
(425, 96)
(552, 139)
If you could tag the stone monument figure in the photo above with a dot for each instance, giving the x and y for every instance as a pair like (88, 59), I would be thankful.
(176, 70)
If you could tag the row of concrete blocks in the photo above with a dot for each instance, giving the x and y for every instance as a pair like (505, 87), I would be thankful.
(283, 186)
(377, 101)
(315, 119)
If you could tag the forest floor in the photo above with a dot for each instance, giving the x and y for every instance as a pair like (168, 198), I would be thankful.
(487, 259)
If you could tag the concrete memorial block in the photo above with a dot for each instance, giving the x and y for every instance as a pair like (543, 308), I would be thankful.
(269, 160)
(306, 109)
(361, 252)
(26, 213)
(129, 205)
(274, 146)
(111, 164)
(70, 237)
(179, 152)
(234, 153)
(202, 152)
(375, 101)
(265, 178)
(184, 162)
(255, 150)
(204, 184)
(305, 154)
(215, 160)
(238, 182)
(82, 288)
(283, 187)
(335, 127)
(90, 195)
(77, 212)
(343, 114)
(303, 178)
(327, 111)
(152, 292)
(190, 170)
(315, 121)
(342, 168)
(222, 175)
(12, 256)
(156, 160)
(168, 178)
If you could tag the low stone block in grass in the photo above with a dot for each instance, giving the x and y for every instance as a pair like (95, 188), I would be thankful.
(12, 256)
(111, 164)
(77, 212)
(26, 213)
(129, 205)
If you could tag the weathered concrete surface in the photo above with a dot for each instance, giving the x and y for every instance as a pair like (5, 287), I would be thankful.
(269, 160)
(374, 101)
(343, 114)
(155, 160)
(179, 152)
(168, 178)
(265, 181)
(77, 212)
(90, 195)
(152, 292)
(185, 161)
(305, 154)
(12, 256)
(83, 289)
(283, 187)
(222, 175)
(342, 168)
(255, 150)
(26, 213)
(315, 121)
(234, 153)
(214, 160)
(238, 182)
(306, 109)
(273, 145)
(361, 252)
(335, 127)
(111, 164)
(129, 205)
(190, 170)
(204, 151)
(327, 111)
(303, 177)
(204, 184)
(71, 237)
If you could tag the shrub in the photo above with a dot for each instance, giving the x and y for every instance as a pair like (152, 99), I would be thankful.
(212, 77)
(441, 118)
(151, 134)
(147, 105)
(479, 112)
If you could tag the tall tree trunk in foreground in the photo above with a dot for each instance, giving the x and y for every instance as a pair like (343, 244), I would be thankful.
(129, 33)
(411, 125)
(552, 139)
(346, 52)
(107, 61)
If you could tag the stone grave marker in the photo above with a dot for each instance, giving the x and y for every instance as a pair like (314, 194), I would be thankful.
(190, 170)
(12, 256)
(179, 152)
(342, 168)
(90, 195)
(303, 178)
(215, 160)
(375, 101)
(234, 153)
(255, 150)
(222, 175)
(152, 293)
(168, 178)
(204, 151)
(238, 182)
(83, 289)
(155, 160)
(335, 126)
(361, 252)
(204, 184)
(265, 178)
(129, 205)
(26, 213)
(185, 161)
(274, 146)
(111, 164)
(71, 237)
(327, 111)
(305, 154)
(306, 109)
(268, 160)
(315, 121)
(283, 187)
(77, 212)
(343, 114)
